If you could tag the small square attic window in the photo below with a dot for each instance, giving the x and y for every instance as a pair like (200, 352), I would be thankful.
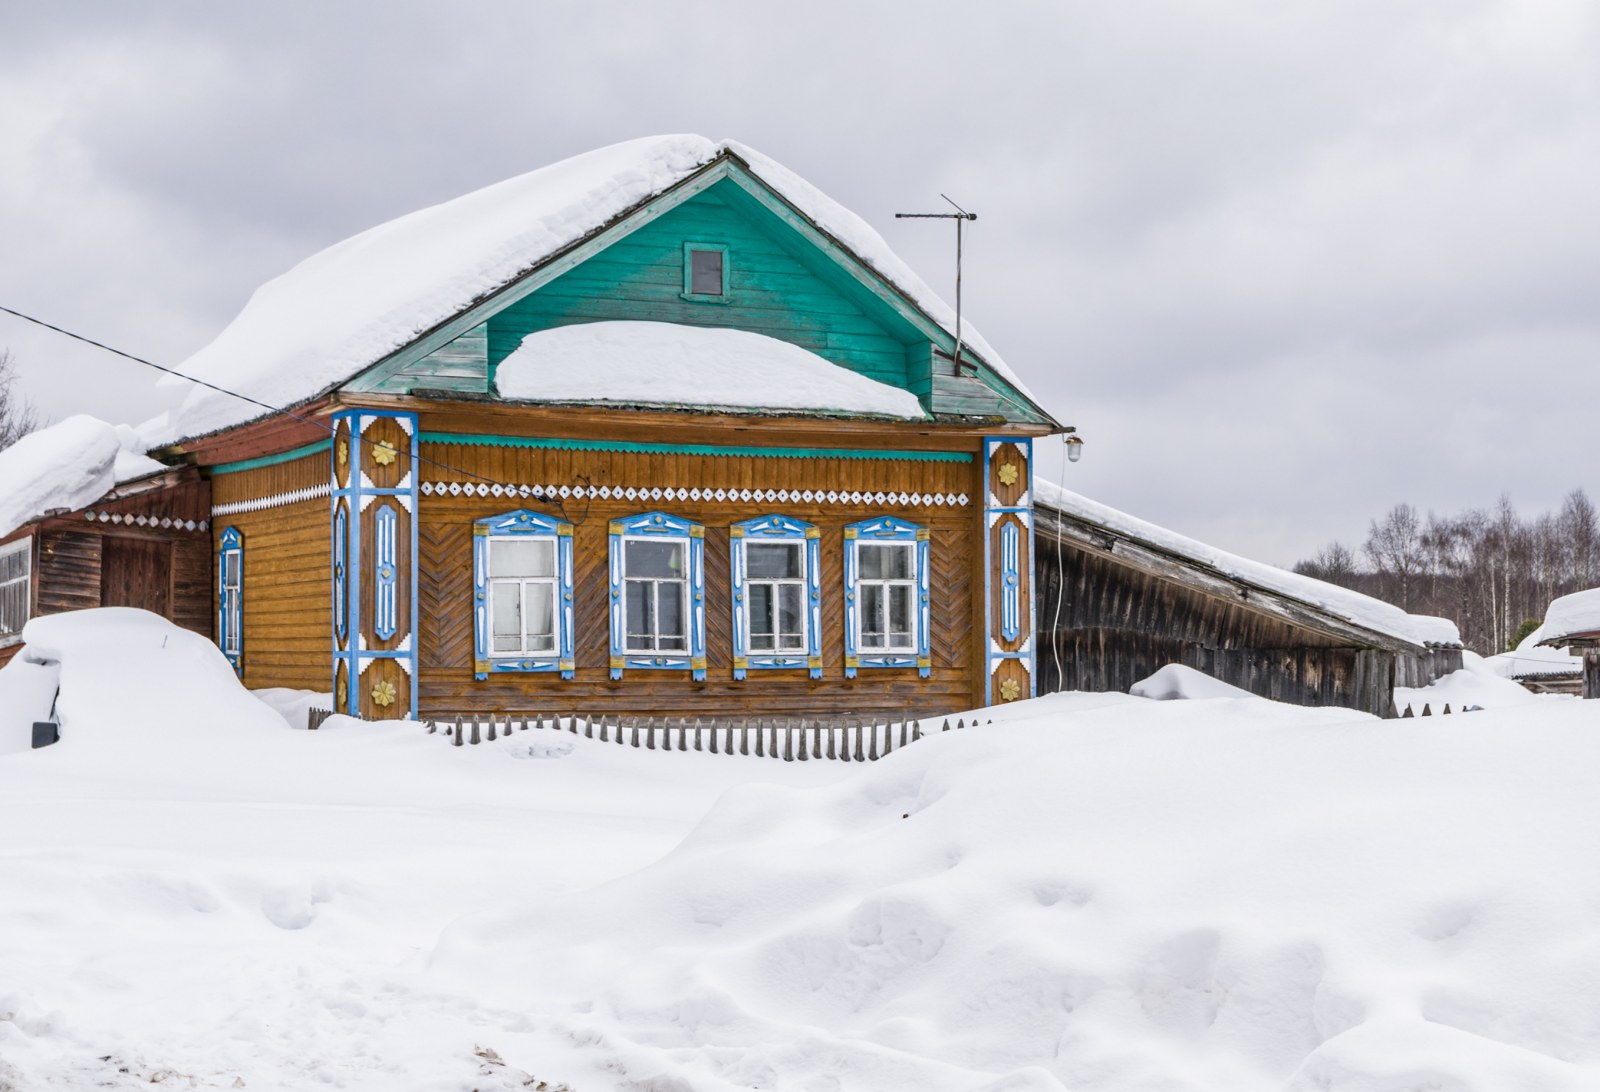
(705, 272)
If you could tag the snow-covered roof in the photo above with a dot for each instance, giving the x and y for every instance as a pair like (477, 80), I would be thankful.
(347, 307)
(664, 364)
(66, 467)
(1351, 606)
(1571, 616)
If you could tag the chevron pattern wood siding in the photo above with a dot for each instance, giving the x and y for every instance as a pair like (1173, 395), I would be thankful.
(447, 685)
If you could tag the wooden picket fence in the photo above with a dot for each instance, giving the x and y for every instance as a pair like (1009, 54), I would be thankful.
(1428, 712)
(792, 739)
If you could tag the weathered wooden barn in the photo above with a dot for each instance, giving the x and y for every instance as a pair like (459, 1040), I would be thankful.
(657, 429)
(1572, 622)
(1119, 598)
(144, 541)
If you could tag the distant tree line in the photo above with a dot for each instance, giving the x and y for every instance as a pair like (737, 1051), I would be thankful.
(1491, 571)
(17, 415)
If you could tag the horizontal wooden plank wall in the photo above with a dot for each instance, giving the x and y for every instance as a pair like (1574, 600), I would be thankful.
(287, 573)
(447, 683)
(1115, 625)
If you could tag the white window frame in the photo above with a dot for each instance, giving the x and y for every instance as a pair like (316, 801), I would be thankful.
(551, 582)
(24, 546)
(908, 582)
(629, 649)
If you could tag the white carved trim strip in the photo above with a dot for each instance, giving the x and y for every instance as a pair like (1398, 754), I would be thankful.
(277, 500)
(166, 523)
(655, 493)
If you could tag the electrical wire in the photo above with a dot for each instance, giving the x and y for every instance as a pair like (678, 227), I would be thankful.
(515, 490)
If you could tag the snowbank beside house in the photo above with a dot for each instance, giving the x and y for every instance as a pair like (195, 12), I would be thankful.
(348, 306)
(1531, 659)
(665, 364)
(1353, 606)
(66, 466)
(1479, 683)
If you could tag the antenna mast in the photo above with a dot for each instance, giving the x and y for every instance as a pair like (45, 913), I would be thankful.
(960, 216)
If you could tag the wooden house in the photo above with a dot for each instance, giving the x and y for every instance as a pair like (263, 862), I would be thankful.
(100, 527)
(1119, 598)
(659, 429)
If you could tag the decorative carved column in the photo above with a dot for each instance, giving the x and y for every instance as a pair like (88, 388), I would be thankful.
(374, 549)
(1008, 567)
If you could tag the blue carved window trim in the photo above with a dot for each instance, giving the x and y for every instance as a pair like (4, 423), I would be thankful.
(886, 529)
(341, 573)
(659, 525)
(777, 529)
(230, 598)
(385, 570)
(522, 524)
(1010, 581)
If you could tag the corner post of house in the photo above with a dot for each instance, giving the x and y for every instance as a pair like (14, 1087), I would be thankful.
(1591, 671)
(1008, 546)
(373, 534)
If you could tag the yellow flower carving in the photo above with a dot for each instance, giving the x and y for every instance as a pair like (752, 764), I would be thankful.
(382, 454)
(1010, 690)
(383, 694)
(343, 453)
(1008, 474)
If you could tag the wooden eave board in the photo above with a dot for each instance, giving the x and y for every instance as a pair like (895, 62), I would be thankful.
(1166, 565)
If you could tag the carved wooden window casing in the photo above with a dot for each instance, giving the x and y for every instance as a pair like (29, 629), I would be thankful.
(522, 594)
(230, 598)
(887, 607)
(777, 595)
(658, 611)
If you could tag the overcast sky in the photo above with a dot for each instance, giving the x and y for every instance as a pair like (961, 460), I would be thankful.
(1284, 265)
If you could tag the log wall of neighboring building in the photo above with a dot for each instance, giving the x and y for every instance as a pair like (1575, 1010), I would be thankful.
(147, 549)
(286, 569)
(1105, 624)
(447, 678)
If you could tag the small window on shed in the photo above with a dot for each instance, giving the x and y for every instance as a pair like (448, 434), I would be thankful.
(705, 272)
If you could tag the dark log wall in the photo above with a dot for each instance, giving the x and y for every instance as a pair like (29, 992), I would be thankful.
(287, 574)
(445, 528)
(1421, 670)
(148, 550)
(1104, 626)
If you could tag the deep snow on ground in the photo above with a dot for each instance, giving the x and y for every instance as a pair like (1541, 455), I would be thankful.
(1094, 893)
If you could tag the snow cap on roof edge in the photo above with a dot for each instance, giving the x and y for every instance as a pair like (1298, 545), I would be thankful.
(346, 307)
(1352, 606)
(1570, 616)
(66, 466)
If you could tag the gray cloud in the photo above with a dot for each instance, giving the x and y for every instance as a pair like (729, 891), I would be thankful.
(1285, 265)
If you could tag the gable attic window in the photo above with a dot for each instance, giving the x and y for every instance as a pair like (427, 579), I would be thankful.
(15, 577)
(705, 272)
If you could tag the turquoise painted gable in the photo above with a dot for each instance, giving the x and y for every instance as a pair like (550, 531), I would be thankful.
(779, 283)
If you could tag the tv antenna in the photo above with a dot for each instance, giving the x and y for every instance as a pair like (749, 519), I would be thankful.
(960, 216)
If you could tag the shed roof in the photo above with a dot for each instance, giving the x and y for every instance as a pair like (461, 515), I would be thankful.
(1341, 607)
(346, 308)
(1570, 618)
(65, 467)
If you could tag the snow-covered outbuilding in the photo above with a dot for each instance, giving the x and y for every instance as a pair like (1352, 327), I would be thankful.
(659, 428)
(1120, 597)
(1573, 622)
(87, 520)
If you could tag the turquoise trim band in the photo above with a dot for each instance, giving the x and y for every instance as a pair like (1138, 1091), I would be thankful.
(486, 440)
(273, 460)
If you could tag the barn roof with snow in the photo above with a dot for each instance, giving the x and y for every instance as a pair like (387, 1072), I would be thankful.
(1315, 601)
(405, 307)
